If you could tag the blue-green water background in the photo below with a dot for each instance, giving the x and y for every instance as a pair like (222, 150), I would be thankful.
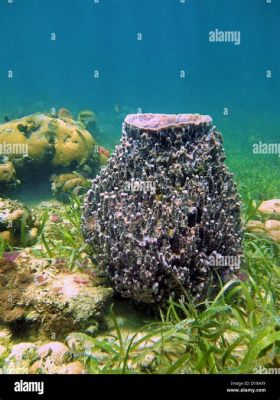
(103, 36)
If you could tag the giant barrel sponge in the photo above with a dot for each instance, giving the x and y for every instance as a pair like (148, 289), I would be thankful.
(164, 213)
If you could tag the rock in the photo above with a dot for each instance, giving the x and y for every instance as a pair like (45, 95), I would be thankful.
(79, 342)
(272, 228)
(55, 358)
(6, 235)
(57, 352)
(272, 225)
(13, 216)
(270, 207)
(37, 368)
(50, 358)
(67, 301)
(47, 367)
(7, 174)
(13, 283)
(255, 226)
(76, 368)
(270, 210)
(64, 185)
(83, 345)
(44, 297)
(22, 350)
(93, 330)
(22, 355)
(27, 262)
(149, 362)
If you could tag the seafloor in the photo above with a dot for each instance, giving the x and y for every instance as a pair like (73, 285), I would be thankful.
(58, 315)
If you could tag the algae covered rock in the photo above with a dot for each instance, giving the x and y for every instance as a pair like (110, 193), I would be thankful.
(20, 359)
(57, 352)
(66, 301)
(149, 362)
(39, 297)
(7, 174)
(73, 368)
(64, 185)
(13, 282)
(18, 226)
(49, 358)
(164, 209)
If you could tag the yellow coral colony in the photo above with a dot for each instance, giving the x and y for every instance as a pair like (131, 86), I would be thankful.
(42, 134)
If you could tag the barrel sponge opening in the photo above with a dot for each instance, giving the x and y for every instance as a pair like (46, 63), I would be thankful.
(157, 122)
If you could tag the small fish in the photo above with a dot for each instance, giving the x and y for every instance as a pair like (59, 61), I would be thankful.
(103, 151)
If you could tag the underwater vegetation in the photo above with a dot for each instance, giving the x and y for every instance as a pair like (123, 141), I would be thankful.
(164, 209)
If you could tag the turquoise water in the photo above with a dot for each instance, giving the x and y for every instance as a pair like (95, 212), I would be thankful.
(102, 35)
(117, 57)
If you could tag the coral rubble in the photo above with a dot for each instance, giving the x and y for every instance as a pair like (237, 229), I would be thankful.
(163, 209)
